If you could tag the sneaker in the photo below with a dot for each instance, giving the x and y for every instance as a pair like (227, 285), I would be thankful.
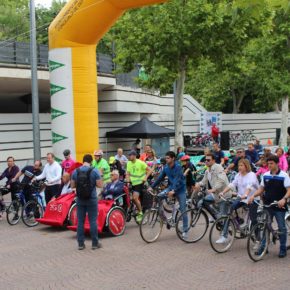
(82, 247)
(256, 246)
(139, 217)
(210, 219)
(16, 217)
(222, 240)
(282, 254)
(97, 246)
(185, 235)
(260, 251)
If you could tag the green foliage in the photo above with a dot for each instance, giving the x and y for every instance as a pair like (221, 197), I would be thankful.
(208, 39)
(44, 16)
(14, 19)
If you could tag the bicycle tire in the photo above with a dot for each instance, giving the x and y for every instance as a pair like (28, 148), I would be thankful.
(13, 213)
(151, 220)
(255, 248)
(167, 205)
(30, 212)
(196, 220)
(215, 233)
(287, 221)
(72, 215)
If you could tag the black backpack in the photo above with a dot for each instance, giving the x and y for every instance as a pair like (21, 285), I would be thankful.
(84, 188)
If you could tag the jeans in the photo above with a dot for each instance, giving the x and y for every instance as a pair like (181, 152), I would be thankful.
(91, 207)
(182, 207)
(280, 218)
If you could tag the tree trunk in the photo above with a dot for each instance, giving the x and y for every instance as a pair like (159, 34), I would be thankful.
(179, 109)
(235, 111)
(276, 107)
(284, 122)
(240, 100)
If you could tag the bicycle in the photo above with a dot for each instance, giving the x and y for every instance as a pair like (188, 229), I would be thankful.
(3, 191)
(14, 210)
(198, 220)
(154, 218)
(259, 237)
(231, 226)
(35, 208)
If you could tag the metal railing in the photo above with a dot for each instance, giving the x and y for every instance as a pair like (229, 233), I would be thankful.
(18, 53)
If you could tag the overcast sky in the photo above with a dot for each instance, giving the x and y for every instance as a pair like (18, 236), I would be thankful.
(45, 3)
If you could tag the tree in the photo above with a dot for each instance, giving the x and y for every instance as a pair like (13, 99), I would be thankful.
(44, 16)
(14, 20)
(169, 41)
(274, 52)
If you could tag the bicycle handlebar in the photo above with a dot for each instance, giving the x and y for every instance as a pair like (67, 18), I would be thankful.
(274, 203)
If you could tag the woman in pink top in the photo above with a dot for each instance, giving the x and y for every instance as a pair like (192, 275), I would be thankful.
(283, 164)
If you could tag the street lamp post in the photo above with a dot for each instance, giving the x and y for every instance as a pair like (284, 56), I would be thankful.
(34, 84)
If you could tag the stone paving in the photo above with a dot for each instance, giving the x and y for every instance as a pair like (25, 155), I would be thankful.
(47, 258)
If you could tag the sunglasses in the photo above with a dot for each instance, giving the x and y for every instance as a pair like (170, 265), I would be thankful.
(239, 151)
(207, 160)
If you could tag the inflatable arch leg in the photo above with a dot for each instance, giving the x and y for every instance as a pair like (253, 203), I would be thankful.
(73, 36)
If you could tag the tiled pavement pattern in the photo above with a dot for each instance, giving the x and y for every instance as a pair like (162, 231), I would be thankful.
(47, 258)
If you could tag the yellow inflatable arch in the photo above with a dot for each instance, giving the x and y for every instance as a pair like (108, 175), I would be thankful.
(73, 36)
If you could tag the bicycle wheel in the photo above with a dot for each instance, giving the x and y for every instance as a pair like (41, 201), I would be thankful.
(13, 212)
(168, 205)
(222, 241)
(31, 211)
(151, 226)
(287, 221)
(258, 242)
(72, 215)
(196, 228)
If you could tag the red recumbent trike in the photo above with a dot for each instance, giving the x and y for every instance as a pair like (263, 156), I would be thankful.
(62, 212)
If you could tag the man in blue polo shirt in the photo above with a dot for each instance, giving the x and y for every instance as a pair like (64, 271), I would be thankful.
(276, 187)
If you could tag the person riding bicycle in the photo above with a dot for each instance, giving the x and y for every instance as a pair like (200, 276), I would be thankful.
(137, 173)
(29, 172)
(240, 155)
(251, 153)
(219, 155)
(176, 184)
(215, 180)
(102, 165)
(275, 186)
(188, 171)
(245, 183)
(9, 173)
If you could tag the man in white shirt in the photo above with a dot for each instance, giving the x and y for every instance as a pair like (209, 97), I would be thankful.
(52, 174)
(121, 157)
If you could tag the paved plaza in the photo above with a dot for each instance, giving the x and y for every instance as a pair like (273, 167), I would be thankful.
(47, 258)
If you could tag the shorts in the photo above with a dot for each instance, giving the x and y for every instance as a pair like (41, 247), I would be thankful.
(138, 188)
